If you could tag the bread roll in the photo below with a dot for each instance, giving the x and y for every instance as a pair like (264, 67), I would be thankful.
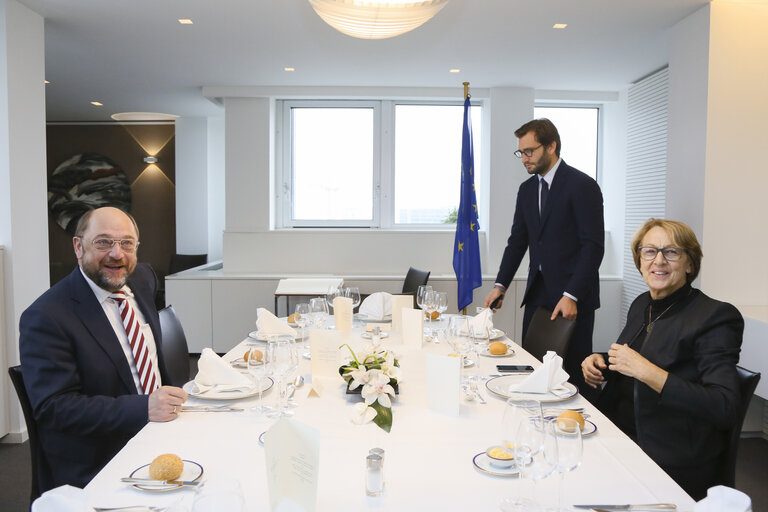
(497, 348)
(166, 467)
(434, 315)
(573, 415)
(254, 353)
(292, 318)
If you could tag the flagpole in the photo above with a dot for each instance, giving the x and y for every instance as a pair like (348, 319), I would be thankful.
(466, 95)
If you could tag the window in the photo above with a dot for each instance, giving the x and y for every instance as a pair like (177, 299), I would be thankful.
(379, 164)
(578, 128)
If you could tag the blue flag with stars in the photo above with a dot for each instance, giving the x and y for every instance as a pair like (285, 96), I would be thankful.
(466, 246)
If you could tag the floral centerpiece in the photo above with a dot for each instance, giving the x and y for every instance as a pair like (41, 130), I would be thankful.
(377, 374)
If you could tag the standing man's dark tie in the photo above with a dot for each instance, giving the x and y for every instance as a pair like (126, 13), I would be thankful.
(544, 194)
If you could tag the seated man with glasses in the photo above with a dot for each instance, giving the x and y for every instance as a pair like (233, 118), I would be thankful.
(670, 379)
(90, 354)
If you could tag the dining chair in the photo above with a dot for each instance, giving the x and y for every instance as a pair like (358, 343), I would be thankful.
(36, 455)
(174, 347)
(747, 384)
(181, 262)
(413, 279)
(544, 334)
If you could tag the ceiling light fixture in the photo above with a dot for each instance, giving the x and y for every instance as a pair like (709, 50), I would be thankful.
(559, 25)
(454, 70)
(186, 21)
(143, 116)
(47, 81)
(97, 104)
(370, 19)
(289, 69)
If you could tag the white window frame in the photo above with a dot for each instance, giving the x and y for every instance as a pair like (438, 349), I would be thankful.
(383, 164)
(600, 120)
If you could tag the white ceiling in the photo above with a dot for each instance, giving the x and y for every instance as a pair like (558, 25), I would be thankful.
(135, 56)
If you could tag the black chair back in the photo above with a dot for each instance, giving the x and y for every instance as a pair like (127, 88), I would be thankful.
(413, 279)
(174, 347)
(747, 384)
(181, 262)
(34, 439)
(544, 334)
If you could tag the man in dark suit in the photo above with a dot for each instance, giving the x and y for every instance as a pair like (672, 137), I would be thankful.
(559, 221)
(79, 365)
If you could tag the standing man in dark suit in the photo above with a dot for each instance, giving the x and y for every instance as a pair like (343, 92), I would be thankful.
(95, 379)
(559, 221)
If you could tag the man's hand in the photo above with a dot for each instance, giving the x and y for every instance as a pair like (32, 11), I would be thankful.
(591, 369)
(165, 403)
(566, 306)
(495, 294)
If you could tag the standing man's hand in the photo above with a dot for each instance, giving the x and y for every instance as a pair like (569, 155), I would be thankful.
(566, 307)
(496, 293)
(165, 403)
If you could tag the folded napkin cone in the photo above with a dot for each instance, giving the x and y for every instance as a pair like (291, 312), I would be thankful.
(720, 498)
(62, 499)
(547, 378)
(377, 306)
(214, 371)
(484, 319)
(269, 324)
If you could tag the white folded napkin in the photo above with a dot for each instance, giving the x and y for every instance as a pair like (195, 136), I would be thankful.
(721, 498)
(377, 306)
(62, 499)
(269, 324)
(547, 378)
(482, 319)
(214, 371)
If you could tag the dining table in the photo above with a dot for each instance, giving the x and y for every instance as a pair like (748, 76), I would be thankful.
(430, 456)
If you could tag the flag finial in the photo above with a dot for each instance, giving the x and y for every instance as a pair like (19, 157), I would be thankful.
(466, 89)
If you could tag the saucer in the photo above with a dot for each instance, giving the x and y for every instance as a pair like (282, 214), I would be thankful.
(482, 462)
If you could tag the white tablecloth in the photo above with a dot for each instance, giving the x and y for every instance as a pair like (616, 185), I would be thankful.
(428, 461)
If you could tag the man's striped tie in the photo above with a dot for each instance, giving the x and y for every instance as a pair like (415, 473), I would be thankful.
(147, 376)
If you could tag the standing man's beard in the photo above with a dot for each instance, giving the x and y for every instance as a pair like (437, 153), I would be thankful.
(102, 281)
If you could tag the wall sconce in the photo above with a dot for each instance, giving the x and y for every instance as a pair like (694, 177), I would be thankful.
(150, 159)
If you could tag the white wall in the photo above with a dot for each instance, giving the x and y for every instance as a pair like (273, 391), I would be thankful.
(216, 187)
(23, 207)
(191, 145)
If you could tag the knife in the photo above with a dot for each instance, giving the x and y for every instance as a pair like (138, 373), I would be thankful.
(651, 506)
(153, 482)
(207, 408)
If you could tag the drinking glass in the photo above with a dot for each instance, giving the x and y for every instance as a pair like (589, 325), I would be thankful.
(517, 411)
(441, 305)
(219, 494)
(458, 337)
(284, 359)
(318, 308)
(569, 450)
(301, 317)
(423, 288)
(536, 455)
(259, 370)
(429, 306)
(333, 292)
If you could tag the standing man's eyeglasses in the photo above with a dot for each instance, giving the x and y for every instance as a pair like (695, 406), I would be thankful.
(106, 244)
(527, 152)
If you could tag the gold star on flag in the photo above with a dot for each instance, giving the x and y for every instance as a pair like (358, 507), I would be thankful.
(471, 226)
(461, 246)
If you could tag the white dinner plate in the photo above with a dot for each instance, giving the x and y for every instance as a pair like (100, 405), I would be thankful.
(364, 317)
(589, 427)
(212, 394)
(257, 336)
(510, 352)
(192, 472)
(496, 334)
(482, 462)
(368, 335)
(499, 386)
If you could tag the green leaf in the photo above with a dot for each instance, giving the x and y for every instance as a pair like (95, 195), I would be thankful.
(383, 416)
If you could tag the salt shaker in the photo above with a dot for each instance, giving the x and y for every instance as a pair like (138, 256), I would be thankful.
(374, 475)
(376, 336)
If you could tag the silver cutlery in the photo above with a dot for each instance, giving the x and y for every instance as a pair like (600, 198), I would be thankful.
(646, 507)
(132, 508)
(152, 482)
(208, 408)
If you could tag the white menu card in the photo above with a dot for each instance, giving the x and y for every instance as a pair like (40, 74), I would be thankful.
(413, 328)
(292, 455)
(324, 353)
(444, 384)
(342, 314)
(399, 303)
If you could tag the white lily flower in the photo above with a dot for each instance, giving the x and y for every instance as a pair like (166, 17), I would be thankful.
(378, 388)
(359, 376)
(363, 413)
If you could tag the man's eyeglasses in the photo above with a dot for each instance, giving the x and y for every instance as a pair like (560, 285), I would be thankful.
(527, 152)
(670, 253)
(106, 244)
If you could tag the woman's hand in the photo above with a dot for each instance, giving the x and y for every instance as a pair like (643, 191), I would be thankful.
(629, 362)
(591, 368)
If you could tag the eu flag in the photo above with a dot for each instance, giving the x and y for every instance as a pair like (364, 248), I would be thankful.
(466, 248)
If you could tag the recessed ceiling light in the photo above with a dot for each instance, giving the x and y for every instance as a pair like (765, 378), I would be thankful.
(454, 70)
(143, 116)
(289, 69)
(559, 25)
(97, 104)
(47, 81)
(186, 21)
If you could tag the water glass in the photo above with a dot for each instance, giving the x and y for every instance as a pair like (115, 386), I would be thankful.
(422, 290)
(301, 317)
(284, 359)
(318, 312)
(259, 370)
(457, 335)
(569, 450)
(333, 292)
(536, 455)
(517, 411)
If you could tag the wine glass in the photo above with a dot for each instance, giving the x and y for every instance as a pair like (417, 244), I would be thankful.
(318, 308)
(301, 317)
(259, 369)
(429, 306)
(569, 450)
(284, 360)
(441, 305)
(423, 288)
(458, 338)
(536, 454)
(353, 292)
(333, 292)
(515, 412)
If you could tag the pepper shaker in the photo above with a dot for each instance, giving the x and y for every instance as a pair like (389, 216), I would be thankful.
(374, 476)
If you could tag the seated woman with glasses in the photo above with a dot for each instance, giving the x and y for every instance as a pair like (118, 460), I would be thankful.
(670, 380)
